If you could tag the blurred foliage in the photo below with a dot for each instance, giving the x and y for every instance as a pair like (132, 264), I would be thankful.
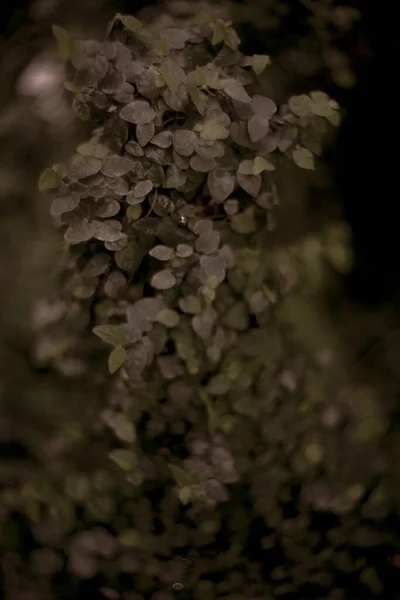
(250, 457)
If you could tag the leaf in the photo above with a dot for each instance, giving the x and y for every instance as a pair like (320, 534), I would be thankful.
(259, 62)
(231, 207)
(124, 93)
(249, 183)
(142, 189)
(176, 38)
(64, 41)
(163, 139)
(321, 104)
(199, 98)
(63, 204)
(96, 265)
(212, 131)
(130, 538)
(109, 231)
(163, 280)
(93, 148)
(138, 112)
(190, 305)
(116, 166)
(162, 252)
(214, 149)
(263, 106)
(128, 259)
(303, 158)
(184, 141)
(257, 127)
(262, 164)
(244, 222)
(300, 105)
(82, 232)
(49, 180)
(133, 213)
(135, 26)
(246, 167)
(134, 148)
(168, 317)
(80, 167)
(125, 459)
(221, 184)
(144, 133)
(235, 90)
(208, 242)
(107, 208)
(116, 358)
(113, 334)
(184, 251)
(81, 110)
(213, 269)
(173, 75)
(174, 177)
(201, 164)
(182, 477)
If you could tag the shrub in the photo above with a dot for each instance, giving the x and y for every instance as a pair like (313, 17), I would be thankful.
(178, 478)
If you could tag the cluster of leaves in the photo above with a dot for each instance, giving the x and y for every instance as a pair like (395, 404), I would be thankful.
(180, 168)
(209, 418)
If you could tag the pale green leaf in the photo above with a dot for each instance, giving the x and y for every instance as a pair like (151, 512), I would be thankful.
(116, 358)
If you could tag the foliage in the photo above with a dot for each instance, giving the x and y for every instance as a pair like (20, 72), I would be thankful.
(210, 419)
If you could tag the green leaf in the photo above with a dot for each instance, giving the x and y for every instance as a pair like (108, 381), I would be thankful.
(138, 112)
(115, 335)
(49, 180)
(93, 148)
(182, 477)
(161, 252)
(144, 133)
(199, 98)
(201, 164)
(235, 90)
(184, 141)
(117, 166)
(116, 358)
(259, 62)
(168, 317)
(64, 41)
(109, 231)
(80, 167)
(244, 223)
(184, 250)
(64, 204)
(163, 280)
(143, 188)
(135, 26)
(131, 538)
(257, 128)
(163, 139)
(212, 414)
(262, 164)
(208, 242)
(303, 158)
(263, 106)
(134, 148)
(300, 106)
(174, 177)
(221, 184)
(125, 459)
(82, 232)
(249, 183)
(190, 305)
(175, 38)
